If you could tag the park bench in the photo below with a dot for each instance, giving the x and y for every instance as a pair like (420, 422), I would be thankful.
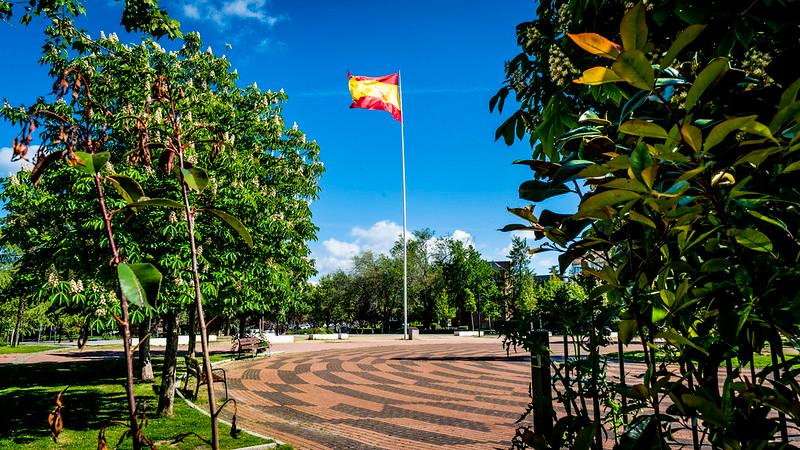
(252, 345)
(195, 370)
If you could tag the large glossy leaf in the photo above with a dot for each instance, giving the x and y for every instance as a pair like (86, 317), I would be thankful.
(139, 283)
(684, 38)
(752, 239)
(598, 75)
(692, 136)
(235, 223)
(634, 28)
(524, 213)
(633, 67)
(722, 130)
(707, 77)
(641, 433)
(196, 178)
(128, 188)
(537, 191)
(604, 199)
(643, 128)
(596, 45)
(91, 164)
(627, 330)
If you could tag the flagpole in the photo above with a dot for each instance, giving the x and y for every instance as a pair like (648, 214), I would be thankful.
(405, 241)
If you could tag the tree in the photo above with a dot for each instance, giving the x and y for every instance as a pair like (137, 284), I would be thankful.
(225, 128)
(443, 311)
(681, 216)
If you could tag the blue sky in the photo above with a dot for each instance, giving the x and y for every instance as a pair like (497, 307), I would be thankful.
(451, 56)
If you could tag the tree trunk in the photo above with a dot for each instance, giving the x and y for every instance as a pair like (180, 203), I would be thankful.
(167, 397)
(145, 364)
(242, 324)
(15, 336)
(192, 332)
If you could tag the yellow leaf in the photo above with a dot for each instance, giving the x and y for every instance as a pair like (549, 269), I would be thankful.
(692, 136)
(598, 75)
(596, 45)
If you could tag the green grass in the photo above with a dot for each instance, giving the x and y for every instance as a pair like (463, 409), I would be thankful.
(95, 397)
(638, 356)
(5, 349)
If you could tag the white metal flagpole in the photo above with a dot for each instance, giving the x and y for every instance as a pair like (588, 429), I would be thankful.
(405, 241)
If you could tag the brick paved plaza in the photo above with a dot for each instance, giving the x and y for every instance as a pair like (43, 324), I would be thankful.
(454, 393)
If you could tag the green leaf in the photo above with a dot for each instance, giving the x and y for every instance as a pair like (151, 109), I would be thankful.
(634, 28)
(524, 213)
(788, 112)
(644, 220)
(675, 339)
(684, 38)
(196, 178)
(789, 95)
(91, 164)
(517, 227)
(642, 433)
(643, 128)
(139, 283)
(128, 188)
(775, 221)
(709, 76)
(792, 167)
(634, 68)
(626, 184)
(537, 191)
(592, 117)
(162, 202)
(658, 314)
(752, 239)
(235, 223)
(641, 159)
(722, 130)
(604, 199)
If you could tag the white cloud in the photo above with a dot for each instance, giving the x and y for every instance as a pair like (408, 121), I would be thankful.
(338, 254)
(225, 11)
(191, 11)
(378, 238)
(340, 249)
(8, 167)
(464, 237)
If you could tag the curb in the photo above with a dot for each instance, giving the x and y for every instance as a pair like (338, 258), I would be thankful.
(275, 443)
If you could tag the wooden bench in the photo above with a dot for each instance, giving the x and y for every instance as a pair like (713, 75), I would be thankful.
(253, 345)
(194, 368)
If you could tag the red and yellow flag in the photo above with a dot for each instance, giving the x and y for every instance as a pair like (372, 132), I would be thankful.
(382, 93)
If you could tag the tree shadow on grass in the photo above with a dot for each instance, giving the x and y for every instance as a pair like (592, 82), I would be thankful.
(96, 395)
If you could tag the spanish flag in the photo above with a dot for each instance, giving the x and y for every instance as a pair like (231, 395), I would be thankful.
(382, 93)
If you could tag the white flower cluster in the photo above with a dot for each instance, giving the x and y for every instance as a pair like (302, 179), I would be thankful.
(52, 276)
(76, 286)
(561, 68)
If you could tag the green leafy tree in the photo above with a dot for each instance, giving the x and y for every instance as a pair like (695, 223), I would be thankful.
(686, 211)
(182, 112)
(443, 310)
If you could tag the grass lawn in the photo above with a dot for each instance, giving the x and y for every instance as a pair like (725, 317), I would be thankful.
(96, 396)
(638, 356)
(5, 349)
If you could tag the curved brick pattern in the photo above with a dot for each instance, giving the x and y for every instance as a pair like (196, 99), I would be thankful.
(430, 396)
